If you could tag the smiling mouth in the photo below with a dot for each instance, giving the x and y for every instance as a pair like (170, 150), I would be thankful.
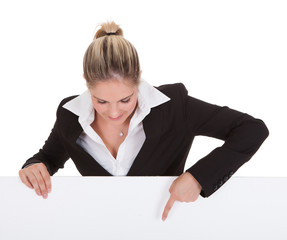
(117, 118)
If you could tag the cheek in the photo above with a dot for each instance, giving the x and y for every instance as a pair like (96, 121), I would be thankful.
(99, 108)
(130, 106)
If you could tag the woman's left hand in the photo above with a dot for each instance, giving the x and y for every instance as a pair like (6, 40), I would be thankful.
(184, 189)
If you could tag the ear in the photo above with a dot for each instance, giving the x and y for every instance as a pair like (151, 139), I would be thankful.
(84, 76)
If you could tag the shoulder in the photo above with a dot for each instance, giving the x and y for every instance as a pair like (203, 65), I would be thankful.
(60, 109)
(176, 105)
(182, 103)
(67, 99)
(177, 92)
(172, 90)
(66, 120)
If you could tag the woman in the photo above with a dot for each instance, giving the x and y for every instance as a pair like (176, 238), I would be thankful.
(123, 126)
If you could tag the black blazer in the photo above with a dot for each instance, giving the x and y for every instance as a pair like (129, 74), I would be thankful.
(170, 129)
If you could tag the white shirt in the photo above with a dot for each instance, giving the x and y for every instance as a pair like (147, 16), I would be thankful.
(90, 141)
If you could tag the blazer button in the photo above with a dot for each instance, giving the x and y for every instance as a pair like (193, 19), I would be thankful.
(225, 178)
(220, 183)
(215, 187)
(231, 173)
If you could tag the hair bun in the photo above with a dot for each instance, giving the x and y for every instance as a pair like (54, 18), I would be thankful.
(107, 29)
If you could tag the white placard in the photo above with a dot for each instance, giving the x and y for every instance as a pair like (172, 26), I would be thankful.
(131, 208)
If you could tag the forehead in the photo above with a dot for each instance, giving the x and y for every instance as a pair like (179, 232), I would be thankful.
(113, 90)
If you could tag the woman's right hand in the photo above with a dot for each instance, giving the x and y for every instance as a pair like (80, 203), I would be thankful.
(37, 177)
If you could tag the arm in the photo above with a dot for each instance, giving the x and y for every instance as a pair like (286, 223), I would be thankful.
(53, 154)
(243, 135)
(35, 173)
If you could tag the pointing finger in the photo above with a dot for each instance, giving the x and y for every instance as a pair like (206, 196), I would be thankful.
(168, 206)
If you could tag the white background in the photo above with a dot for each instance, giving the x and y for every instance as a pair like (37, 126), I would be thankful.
(230, 53)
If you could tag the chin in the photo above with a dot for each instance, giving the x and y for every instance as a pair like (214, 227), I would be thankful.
(119, 121)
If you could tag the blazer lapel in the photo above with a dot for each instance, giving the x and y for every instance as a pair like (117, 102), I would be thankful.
(73, 134)
(152, 129)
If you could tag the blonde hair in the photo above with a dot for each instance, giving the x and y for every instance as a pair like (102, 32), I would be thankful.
(110, 55)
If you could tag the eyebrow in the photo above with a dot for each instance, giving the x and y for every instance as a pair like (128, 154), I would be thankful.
(118, 101)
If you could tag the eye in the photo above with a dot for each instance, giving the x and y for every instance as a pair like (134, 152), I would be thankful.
(125, 100)
(101, 102)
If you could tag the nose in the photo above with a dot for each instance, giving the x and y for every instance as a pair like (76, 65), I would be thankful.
(114, 111)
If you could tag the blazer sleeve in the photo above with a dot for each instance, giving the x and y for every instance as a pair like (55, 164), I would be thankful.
(242, 133)
(53, 153)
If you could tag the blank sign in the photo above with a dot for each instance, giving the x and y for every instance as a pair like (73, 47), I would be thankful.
(131, 208)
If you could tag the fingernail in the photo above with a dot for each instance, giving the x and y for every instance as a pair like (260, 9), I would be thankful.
(163, 219)
(39, 193)
(45, 196)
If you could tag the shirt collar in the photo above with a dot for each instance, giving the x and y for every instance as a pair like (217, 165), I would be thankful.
(148, 97)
